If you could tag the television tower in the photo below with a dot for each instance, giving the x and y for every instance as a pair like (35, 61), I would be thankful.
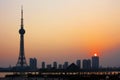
(21, 59)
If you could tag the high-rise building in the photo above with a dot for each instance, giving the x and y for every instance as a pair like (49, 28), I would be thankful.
(55, 65)
(49, 66)
(21, 59)
(43, 65)
(78, 63)
(60, 66)
(95, 62)
(33, 63)
(86, 64)
(65, 65)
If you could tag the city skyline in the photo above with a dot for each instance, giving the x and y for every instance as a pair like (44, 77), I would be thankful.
(61, 30)
(86, 63)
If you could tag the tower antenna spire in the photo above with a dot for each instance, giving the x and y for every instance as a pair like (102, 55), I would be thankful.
(22, 24)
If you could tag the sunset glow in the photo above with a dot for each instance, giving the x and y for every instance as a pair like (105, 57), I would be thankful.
(95, 54)
(61, 30)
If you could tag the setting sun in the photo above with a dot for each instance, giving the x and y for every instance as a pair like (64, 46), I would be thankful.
(95, 54)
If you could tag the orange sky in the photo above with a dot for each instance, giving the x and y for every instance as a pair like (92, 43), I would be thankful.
(63, 29)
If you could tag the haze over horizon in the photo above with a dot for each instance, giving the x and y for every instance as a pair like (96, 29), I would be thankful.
(61, 30)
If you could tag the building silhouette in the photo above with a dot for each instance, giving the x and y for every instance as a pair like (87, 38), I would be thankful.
(72, 67)
(33, 63)
(21, 59)
(86, 64)
(65, 65)
(95, 62)
(55, 65)
(43, 65)
(78, 63)
(49, 66)
(60, 66)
